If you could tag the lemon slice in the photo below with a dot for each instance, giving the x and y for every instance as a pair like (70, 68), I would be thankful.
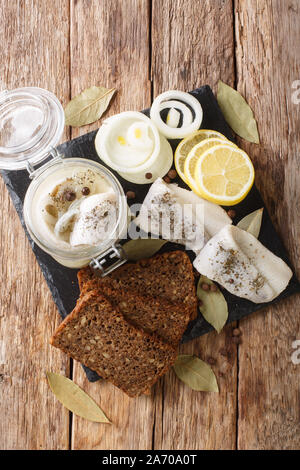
(194, 155)
(186, 145)
(224, 175)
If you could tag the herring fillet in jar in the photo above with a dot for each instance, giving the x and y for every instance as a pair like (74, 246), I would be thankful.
(74, 208)
(76, 211)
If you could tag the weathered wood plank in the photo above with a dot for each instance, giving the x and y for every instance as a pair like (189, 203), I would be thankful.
(192, 45)
(110, 47)
(268, 62)
(36, 53)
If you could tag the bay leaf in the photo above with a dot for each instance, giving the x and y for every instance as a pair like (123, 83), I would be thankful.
(214, 307)
(142, 248)
(195, 373)
(88, 106)
(237, 113)
(75, 399)
(252, 222)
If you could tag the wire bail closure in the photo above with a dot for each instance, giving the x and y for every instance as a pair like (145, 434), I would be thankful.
(55, 156)
(105, 263)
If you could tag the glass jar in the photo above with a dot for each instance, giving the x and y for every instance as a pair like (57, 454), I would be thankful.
(31, 125)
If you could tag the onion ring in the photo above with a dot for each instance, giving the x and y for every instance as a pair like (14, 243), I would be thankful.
(187, 115)
(163, 101)
(173, 117)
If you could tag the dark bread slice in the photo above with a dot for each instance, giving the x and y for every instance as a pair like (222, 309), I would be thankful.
(167, 275)
(84, 275)
(153, 315)
(97, 335)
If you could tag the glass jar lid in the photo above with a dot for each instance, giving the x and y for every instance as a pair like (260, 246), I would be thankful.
(31, 123)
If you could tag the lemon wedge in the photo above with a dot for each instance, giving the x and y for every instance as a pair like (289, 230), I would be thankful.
(186, 145)
(194, 155)
(224, 175)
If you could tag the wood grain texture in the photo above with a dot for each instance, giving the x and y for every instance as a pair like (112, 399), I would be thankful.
(192, 45)
(67, 46)
(35, 35)
(110, 47)
(268, 62)
(185, 419)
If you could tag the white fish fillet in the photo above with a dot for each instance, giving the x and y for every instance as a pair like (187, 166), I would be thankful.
(95, 220)
(214, 216)
(239, 262)
(180, 216)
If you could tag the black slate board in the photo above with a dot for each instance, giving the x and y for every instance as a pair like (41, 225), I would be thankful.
(63, 281)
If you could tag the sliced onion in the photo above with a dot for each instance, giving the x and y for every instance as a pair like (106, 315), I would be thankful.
(187, 115)
(64, 221)
(188, 126)
(173, 117)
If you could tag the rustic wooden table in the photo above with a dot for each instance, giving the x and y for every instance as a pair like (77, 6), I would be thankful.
(143, 47)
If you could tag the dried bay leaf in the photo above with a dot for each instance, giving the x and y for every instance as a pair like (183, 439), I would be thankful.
(237, 113)
(195, 373)
(252, 222)
(214, 307)
(75, 399)
(142, 248)
(88, 106)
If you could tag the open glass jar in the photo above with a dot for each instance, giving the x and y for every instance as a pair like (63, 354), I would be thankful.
(31, 125)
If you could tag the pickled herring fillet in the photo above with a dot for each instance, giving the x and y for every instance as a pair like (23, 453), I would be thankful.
(214, 216)
(180, 216)
(95, 220)
(239, 262)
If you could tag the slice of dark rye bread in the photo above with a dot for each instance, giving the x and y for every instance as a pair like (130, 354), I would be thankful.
(97, 335)
(151, 314)
(168, 275)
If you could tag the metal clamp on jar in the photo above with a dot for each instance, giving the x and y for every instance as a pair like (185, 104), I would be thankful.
(74, 209)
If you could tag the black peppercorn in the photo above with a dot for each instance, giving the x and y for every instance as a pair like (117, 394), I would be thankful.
(211, 361)
(236, 332)
(70, 195)
(205, 286)
(231, 213)
(130, 194)
(85, 191)
(172, 174)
